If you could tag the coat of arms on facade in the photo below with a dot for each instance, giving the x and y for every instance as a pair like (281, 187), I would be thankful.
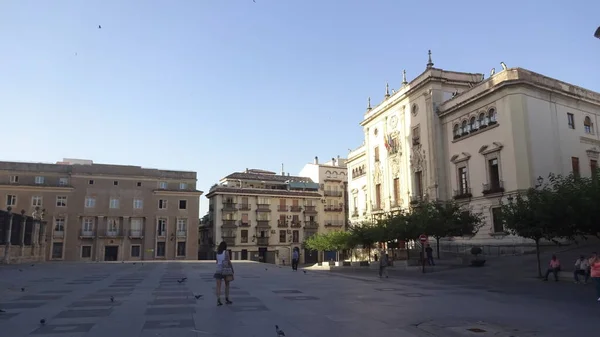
(392, 143)
(417, 159)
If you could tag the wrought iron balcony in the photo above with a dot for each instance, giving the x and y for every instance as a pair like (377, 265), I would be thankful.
(244, 207)
(262, 241)
(282, 224)
(295, 209)
(310, 209)
(229, 207)
(333, 193)
(282, 208)
(243, 223)
(229, 223)
(136, 233)
(311, 224)
(296, 224)
(263, 208)
(113, 233)
(493, 187)
(463, 193)
(263, 223)
(334, 208)
(86, 234)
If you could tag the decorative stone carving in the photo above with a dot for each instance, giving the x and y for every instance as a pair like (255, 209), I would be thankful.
(417, 159)
(393, 122)
(593, 153)
(395, 164)
(377, 174)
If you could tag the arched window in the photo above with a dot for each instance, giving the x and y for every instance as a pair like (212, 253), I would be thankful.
(588, 125)
(482, 120)
(473, 124)
(456, 130)
(465, 127)
(492, 116)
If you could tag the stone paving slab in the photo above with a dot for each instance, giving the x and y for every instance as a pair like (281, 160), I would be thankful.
(150, 302)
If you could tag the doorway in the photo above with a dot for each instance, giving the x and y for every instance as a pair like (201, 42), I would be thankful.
(111, 253)
(244, 254)
(262, 254)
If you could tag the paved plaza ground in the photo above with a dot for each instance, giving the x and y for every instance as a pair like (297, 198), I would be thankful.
(74, 299)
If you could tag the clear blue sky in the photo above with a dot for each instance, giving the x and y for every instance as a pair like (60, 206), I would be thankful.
(216, 86)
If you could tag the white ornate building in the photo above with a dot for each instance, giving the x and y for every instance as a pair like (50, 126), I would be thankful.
(457, 135)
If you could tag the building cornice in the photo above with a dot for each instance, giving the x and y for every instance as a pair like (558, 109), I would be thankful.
(138, 178)
(178, 193)
(516, 77)
(261, 192)
(32, 188)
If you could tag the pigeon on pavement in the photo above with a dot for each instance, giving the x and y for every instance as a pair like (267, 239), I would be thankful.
(197, 296)
(112, 298)
(42, 321)
(280, 332)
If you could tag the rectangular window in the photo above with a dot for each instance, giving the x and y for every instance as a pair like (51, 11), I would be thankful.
(263, 216)
(162, 204)
(91, 182)
(497, 224)
(183, 186)
(11, 200)
(114, 203)
(36, 200)
(135, 251)
(138, 203)
(139, 184)
(59, 224)
(14, 179)
(245, 220)
(39, 180)
(116, 183)
(63, 181)
(494, 174)
(112, 226)
(463, 186)
(136, 224)
(88, 225)
(61, 201)
(57, 250)
(160, 249)
(161, 230)
(571, 120)
(282, 236)
(90, 202)
(244, 236)
(419, 184)
(376, 152)
(182, 204)
(86, 252)
(378, 196)
(264, 201)
(575, 167)
(163, 185)
(181, 248)
(396, 191)
(295, 236)
(594, 168)
(181, 226)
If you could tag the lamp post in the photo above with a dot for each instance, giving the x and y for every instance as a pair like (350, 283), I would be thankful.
(8, 235)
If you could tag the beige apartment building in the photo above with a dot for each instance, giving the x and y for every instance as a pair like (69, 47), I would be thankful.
(263, 216)
(98, 212)
(449, 134)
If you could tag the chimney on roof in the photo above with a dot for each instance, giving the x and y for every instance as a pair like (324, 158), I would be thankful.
(246, 170)
(282, 172)
(316, 160)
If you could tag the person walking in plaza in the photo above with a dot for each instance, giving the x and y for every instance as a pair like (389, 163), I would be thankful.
(383, 263)
(295, 258)
(429, 252)
(595, 272)
(582, 267)
(224, 272)
(553, 267)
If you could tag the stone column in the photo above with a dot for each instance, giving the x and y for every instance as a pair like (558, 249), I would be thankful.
(125, 228)
(100, 227)
(8, 235)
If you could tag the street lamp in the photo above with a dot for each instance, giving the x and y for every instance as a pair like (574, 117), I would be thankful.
(597, 33)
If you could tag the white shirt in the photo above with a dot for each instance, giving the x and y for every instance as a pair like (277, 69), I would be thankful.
(582, 264)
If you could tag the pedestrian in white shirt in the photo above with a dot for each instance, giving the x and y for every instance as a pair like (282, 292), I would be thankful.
(582, 267)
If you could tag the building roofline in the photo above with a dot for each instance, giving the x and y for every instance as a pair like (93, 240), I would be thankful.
(261, 192)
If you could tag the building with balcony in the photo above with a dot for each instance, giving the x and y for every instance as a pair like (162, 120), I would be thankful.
(97, 212)
(333, 182)
(263, 215)
(457, 135)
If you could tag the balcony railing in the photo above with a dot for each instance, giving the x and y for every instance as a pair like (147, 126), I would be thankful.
(262, 241)
(282, 224)
(229, 223)
(334, 223)
(282, 208)
(87, 234)
(493, 187)
(311, 224)
(113, 233)
(181, 233)
(296, 224)
(263, 208)
(229, 207)
(263, 223)
(463, 193)
(295, 208)
(243, 223)
(58, 234)
(334, 208)
(244, 207)
(331, 193)
(136, 233)
(310, 209)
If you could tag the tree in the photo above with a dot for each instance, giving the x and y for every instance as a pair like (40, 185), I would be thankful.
(318, 242)
(406, 227)
(362, 234)
(531, 215)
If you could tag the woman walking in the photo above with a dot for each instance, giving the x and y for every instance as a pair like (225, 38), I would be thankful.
(224, 272)
(595, 272)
